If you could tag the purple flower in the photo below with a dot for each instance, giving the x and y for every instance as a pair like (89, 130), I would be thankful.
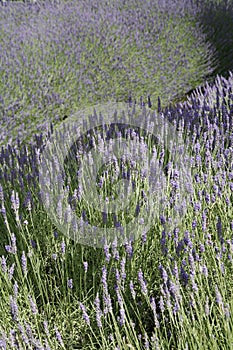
(202, 248)
(142, 282)
(33, 243)
(58, 336)
(9, 249)
(187, 239)
(174, 291)
(114, 250)
(123, 273)
(3, 343)
(131, 285)
(144, 233)
(14, 343)
(59, 210)
(162, 220)
(219, 228)
(194, 224)
(23, 335)
(46, 328)
(218, 296)
(98, 311)
(163, 243)
(63, 247)
(107, 254)
(227, 311)
(194, 285)
(137, 210)
(1, 194)
(175, 271)
(24, 263)
(16, 289)
(104, 278)
(12, 248)
(122, 316)
(129, 248)
(191, 262)
(176, 308)
(28, 329)
(85, 315)
(161, 304)
(146, 342)
(164, 274)
(70, 283)
(68, 215)
(179, 247)
(32, 305)
(205, 270)
(15, 201)
(3, 264)
(85, 264)
(184, 276)
(104, 217)
(153, 306)
(14, 308)
(118, 278)
(192, 301)
(119, 298)
(107, 303)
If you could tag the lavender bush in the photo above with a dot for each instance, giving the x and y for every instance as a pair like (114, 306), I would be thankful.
(167, 289)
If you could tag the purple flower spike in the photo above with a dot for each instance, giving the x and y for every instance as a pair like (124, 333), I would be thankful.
(3, 264)
(14, 308)
(218, 296)
(12, 248)
(16, 287)
(33, 305)
(33, 243)
(58, 336)
(161, 304)
(107, 254)
(98, 311)
(70, 283)
(104, 277)
(133, 293)
(153, 306)
(85, 315)
(15, 201)
(142, 282)
(85, 264)
(24, 263)
(63, 248)
(3, 344)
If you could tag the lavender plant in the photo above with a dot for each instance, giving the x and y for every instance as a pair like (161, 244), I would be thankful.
(167, 289)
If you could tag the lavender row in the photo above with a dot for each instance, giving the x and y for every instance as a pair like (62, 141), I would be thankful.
(60, 57)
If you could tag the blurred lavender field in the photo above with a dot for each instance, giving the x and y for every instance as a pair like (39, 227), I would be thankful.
(57, 58)
(168, 289)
